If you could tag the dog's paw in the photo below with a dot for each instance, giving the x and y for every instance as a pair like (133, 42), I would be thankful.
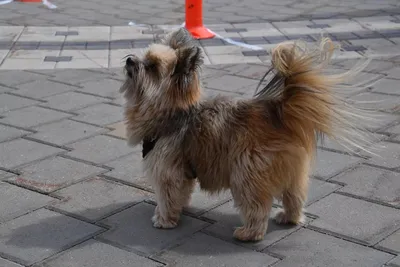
(245, 234)
(283, 218)
(160, 223)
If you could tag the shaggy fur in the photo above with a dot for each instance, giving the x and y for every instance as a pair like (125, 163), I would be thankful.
(260, 148)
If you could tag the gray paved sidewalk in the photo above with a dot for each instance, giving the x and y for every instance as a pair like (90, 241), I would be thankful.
(121, 12)
(73, 193)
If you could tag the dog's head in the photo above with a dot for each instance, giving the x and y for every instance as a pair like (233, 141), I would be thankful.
(166, 75)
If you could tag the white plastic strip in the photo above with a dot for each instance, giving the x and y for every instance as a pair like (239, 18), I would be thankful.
(5, 2)
(229, 40)
(48, 4)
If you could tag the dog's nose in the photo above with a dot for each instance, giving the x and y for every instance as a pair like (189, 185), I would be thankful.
(129, 61)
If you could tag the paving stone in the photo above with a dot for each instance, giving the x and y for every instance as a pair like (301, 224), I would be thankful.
(388, 155)
(393, 73)
(100, 149)
(230, 83)
(392, 242)
(330, 163)
(372, 183)
(378, 101)
(364, 221)
(6, 263)
(395, 262)
(4, 174)
(227, 218)
(40, 89)
(33, 116)
(387, 86)
(129, 170)
(204, 250)
(17, 201)
(97, 198)
(100, 114)
(8, 133)
(96, 254)
(103, 87)
(319, 189)
(15, 78)
(20, 151)
(119, 129)
(65, 132)
(73, 76)
(309, 248)
(132, 228)
(40, 234)
(72, 100)
(52, 174)
(4, 89)
(11, 102)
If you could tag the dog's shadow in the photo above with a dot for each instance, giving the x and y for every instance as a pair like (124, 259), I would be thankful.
(131, 228)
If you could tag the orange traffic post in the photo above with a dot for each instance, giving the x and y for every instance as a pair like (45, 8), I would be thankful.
(194, 20)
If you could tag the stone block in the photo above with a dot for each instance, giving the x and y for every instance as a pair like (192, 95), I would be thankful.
(391, 243)
(313, 249)
(330, 163)
(11, 102)
(353, 218)
(132, 228)
(204, 250)
(230, 83)
(96, 198)
(6, 263)
(33, 116)
(100, 114)
(49, 175)
(372, 183)
(65, 132)
(20, 151)
(17, 201)
(41, 234)
(100, 149)
(72, 100)
(388, 155)
(43, 88)
(387, 86)
(102, 87)
(7, 133)
(94, 253)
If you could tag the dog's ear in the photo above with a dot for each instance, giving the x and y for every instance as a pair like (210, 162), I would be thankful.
(179, 38)
(189, 59)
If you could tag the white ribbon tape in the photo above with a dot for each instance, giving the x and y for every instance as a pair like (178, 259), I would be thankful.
(228, 40)
(5, 2)
(48, 4)
(45, 2)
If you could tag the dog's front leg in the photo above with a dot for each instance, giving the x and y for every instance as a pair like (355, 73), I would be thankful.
(172, 194)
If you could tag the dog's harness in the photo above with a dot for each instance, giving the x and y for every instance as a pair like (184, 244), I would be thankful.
(148, 145)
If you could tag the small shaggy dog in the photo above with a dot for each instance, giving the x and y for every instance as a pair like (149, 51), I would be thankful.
(260, 149)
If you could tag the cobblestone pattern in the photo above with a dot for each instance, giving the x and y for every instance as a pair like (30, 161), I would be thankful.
(74, 191)
(103, 12)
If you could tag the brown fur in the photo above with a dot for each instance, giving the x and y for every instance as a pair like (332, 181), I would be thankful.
(260, 149)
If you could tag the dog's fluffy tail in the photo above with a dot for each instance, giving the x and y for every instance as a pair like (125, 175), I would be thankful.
(306, 99)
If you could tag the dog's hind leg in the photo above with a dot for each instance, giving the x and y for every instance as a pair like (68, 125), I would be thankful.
(172, 194)
(294, 197)
(254, 204)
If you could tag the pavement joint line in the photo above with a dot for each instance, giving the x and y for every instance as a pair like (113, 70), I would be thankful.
(46, 143)
(379, 202)
(15, 93)
(86, 162)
